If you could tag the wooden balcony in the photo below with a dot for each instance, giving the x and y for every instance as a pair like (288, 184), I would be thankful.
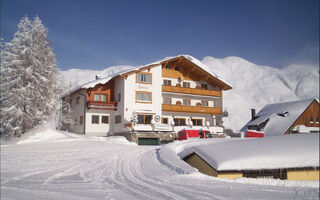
(191, 109)
(100, 105)
(195, 91)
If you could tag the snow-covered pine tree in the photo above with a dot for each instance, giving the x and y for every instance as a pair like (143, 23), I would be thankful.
(14, 81)
(28, 80)
(44, 71)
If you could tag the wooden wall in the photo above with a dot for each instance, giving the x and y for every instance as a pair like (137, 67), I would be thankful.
(107, 88)
(189, 71)
(307, 173)
(304, 119)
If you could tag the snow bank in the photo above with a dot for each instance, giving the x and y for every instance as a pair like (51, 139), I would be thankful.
(41, 134)
(223, 150)
(289, 151)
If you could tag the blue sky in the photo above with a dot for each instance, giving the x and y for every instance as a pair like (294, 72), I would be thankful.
(95, 34)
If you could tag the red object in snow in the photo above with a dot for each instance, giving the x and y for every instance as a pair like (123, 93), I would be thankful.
(204, 133)
(253, 133)
(185, 134)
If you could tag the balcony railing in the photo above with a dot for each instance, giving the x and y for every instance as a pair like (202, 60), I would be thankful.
(101, 105)
(195, 91)
(191, 109)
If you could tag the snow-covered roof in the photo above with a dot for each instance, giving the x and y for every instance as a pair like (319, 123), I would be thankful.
(281, 116)
(103, 80)
(132, 69)
(284, 151)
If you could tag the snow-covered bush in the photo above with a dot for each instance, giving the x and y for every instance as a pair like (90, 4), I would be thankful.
(29, 89)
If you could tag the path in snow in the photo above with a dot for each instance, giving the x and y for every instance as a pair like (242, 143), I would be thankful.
(80, 168)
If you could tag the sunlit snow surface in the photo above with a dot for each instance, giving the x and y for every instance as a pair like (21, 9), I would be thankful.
(46, 164)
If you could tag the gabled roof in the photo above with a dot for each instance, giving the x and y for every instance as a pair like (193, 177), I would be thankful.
(281, 116)
(131, 70)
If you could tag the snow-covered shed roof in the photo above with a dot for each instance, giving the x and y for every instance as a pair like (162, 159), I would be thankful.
(106, 79)
(278, 152)
(281, 116)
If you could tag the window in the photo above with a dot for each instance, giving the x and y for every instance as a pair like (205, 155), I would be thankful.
(119, 97)
(204, 86)
(100, 97)
(144, 97)
(81, 120)
(164, 120)
(76, 121)
(166, 100)
(95, 119)
(96, 97)
(144, 77)
(179, 121)
(118, 119)
(167, 82)
(104, 119)
(168, 67)
(204, 103)
(144, 119)
(196, 122)
(77, 100)
(70, 102)
(186, 84)
(311, 120)
(317, 120)
(103, 97)
(186, 102)
(176, 68)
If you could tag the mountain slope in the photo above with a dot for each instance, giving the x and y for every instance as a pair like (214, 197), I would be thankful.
(254, 86)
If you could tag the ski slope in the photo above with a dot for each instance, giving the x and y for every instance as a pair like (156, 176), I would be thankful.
(47, 164)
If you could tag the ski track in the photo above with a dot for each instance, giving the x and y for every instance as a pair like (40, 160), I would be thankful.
(81, 169)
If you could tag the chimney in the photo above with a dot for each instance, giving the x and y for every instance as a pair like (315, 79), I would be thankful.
(253, 114)
(97, 77)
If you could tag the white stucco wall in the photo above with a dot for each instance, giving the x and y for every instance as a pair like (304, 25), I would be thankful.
(119, 88)
(98, 129)
(131, 87)
(77, 111)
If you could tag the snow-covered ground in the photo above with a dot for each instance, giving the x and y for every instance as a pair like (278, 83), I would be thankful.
(46, 164)
(254, 86)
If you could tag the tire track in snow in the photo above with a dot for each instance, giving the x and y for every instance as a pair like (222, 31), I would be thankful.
(133, 173)
(184, 193)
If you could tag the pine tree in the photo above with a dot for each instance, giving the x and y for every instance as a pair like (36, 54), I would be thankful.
(28, 78)
(65, 116)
